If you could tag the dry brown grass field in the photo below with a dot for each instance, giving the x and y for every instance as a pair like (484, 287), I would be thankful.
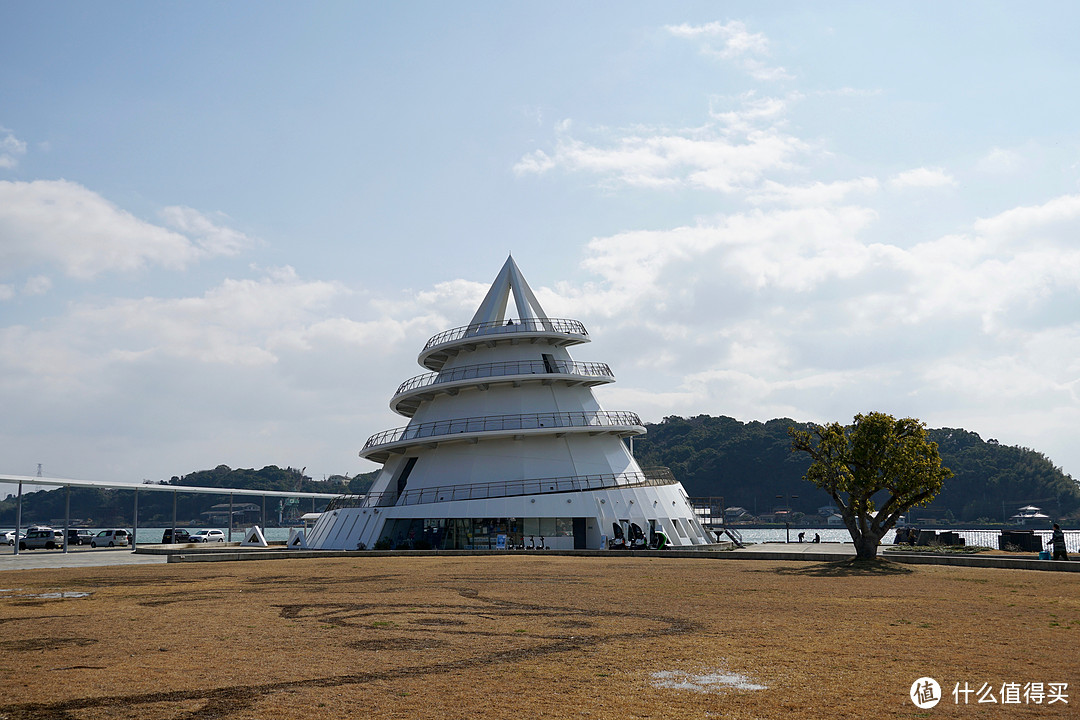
(528, 636)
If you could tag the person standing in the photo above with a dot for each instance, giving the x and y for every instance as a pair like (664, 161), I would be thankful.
(1057, 542)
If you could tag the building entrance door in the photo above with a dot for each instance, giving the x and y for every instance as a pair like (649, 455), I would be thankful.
(580, 531)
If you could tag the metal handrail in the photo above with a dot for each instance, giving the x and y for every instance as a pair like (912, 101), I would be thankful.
(493, 423)
(648, 477)
(520, 367)
(554, 325)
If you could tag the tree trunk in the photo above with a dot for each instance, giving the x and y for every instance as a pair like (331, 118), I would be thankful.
(866, 546)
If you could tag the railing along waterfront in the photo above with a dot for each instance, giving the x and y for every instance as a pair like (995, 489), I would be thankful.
(493, 423)
(556, 325)
(648, 477)
(492, 370)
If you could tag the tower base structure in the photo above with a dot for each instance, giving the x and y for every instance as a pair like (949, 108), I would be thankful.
(573, 520)
(507, 447)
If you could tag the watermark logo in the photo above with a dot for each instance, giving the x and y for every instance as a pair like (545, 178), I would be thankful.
(925, 693)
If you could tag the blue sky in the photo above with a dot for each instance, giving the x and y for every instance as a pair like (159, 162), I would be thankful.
(226, 229)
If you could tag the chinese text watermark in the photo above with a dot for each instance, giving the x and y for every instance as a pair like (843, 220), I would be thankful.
(926, 693)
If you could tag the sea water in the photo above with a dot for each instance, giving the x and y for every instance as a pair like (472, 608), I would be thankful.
(985, 538)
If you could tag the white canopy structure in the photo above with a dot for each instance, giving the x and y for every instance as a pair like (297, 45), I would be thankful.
(507, 446)
(68, 483)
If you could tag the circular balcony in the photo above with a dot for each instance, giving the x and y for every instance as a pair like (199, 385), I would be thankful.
(381, 446)
(647, 477)
(411, 393)
(553, 331)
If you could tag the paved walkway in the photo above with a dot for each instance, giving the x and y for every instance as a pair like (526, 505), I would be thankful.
(806, 552)
(75, 557)
(833, 550)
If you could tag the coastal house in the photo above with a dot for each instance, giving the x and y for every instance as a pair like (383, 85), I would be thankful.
(506, 446)
(737, 514)
(1030, 515)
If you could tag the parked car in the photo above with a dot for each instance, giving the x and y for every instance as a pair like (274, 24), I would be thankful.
(79, 537)
(110, 538)
(182, 536)
(41, 537)
(203, 536)
(9, 537)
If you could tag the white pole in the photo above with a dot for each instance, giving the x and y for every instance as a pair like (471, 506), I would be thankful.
(135, 522)
(18, 519)
(67, 514)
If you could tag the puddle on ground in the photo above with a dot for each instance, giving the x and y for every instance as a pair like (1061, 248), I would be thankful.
(6, 593)
(709, 682)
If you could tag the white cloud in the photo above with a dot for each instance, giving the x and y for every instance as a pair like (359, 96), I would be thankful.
(736, 38)
(922, 177)
(814, 194)
(751, 111)
(1054, 219)
(254, 370)
(212, 238)
(735, 43)
(801, 312)
(37, 285)
(1000, 161)
(536, 162)
(731, 153)
(11, 148)
(61, 223)
(795, 250)
(237, 323)
(6, 292)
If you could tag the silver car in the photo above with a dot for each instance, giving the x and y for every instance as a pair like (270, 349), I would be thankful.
(41, 537)
(205, 536)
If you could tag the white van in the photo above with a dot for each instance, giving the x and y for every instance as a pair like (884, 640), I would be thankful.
(110, 538)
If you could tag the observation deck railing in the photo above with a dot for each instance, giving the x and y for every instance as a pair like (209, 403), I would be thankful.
(495, 423)
(525, 325)
(648, 477)
(494, 370)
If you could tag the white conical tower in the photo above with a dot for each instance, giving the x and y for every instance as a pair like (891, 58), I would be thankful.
(507, 444)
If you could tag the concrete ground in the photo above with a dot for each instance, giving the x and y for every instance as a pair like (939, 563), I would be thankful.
(99, 557)
(75, 557)
(834, 549)
(805, 552)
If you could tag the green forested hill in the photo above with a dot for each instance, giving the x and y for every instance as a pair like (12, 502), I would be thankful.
(750, 464)
(990, 478)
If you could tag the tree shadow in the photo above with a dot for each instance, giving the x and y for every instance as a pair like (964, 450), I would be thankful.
(850, 567)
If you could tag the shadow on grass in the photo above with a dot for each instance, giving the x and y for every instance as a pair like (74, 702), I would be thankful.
(847, 568)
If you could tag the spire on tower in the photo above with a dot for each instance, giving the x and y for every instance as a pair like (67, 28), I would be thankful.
(509, 279)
